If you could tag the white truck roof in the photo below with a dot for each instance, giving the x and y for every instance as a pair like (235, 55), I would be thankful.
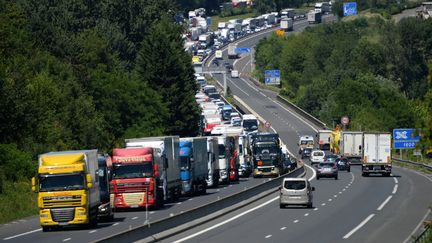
(249, 117)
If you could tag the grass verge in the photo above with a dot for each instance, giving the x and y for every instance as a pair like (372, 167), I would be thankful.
(17, 201)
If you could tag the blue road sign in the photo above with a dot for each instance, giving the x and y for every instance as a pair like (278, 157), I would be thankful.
(239, 50)
(272, 77)
(209, 21)
(405, 138)
(349, 9)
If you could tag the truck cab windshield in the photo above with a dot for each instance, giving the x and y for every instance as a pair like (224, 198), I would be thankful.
(263, 149)
(250, 125)
(61, 182)
(133, 171)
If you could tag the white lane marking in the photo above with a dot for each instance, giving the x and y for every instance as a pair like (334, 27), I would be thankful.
(179, 203)
(227, 221)
(315, 209)
(268, 236)
(313, 172)
(283, 228)
(395, 179)
(306, 214)
(115, 224)
(190, 199)
(295, 221)
(228, 79)
(340, 192)
(344, 189)
(67, 239)
(358, 226)
(384, 203)
(297, 116)
(334, 195)
(323, 204)
(22, 234)
(218, 190)
(134, 218)
(330, 200)
(395, 189)
(91, 232)
(152, 212)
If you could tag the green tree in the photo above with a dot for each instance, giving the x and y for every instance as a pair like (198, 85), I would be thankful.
(164, 64)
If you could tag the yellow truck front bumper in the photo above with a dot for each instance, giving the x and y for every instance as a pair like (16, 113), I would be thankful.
(47, 217)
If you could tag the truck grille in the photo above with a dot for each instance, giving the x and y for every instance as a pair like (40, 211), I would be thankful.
(62, 214)
(133, 198)
(62, 201)
(131, 187)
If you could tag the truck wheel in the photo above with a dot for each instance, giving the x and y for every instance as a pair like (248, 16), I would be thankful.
(365, 174)
(281, 206)
(336, 177)
(309, 205)
(317, 177)
(47, 228)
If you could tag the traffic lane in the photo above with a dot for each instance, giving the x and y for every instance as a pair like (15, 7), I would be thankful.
(403, 212)
(338, 204)
(31, 229)
(254, 226)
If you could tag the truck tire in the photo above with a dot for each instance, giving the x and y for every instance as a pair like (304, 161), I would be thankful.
(281, 205)
(47, 228)
(365, 174)
(309, 205)
(336, 177)
(318, 177)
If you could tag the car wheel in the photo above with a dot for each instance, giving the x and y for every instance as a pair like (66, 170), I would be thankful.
(348, 170)
(318, 178)
(336, 177)
(365, 174)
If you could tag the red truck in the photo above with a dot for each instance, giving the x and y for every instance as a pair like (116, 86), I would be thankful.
(135, 178)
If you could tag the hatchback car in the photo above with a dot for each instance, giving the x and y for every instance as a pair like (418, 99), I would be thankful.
(343, 164)
(317, 156)
(306, 153)
(327, 169)
(296, 191)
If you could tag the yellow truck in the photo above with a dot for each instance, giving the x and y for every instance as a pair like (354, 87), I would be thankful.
(68, 189)
(335, 138)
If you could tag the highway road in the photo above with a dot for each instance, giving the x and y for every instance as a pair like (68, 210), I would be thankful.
(354, 208)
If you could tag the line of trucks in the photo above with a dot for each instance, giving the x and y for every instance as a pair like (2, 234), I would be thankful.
(371, 150)
(81, 187)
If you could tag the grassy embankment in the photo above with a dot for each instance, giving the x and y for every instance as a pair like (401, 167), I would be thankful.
(17, 201)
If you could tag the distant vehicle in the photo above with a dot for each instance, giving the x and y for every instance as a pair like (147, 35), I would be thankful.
(305, 141)
(377, 154)
(234, 114)
(218, 54)
(287, 13)
(306, 153)
(330, 158)
(201, 81)
(317, 156)
(343, 164)
(234, 74)
(214, 95)
(209, 89)
(296, 191)
(314, 17)
(324, 139)
(231, 51)
(228, 66)
(250, 123)
(106, 209)
(327, 169)
(323, 7)
(287, 24)
(352, 146)
(226, 112)
(236, 121)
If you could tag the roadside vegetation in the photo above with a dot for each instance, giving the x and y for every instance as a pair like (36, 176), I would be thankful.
(83, 75)
(374, 71)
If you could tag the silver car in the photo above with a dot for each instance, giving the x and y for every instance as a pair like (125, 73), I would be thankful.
(296, 191)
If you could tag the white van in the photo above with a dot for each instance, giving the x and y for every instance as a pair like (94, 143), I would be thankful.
(296, 191)
(234, 74)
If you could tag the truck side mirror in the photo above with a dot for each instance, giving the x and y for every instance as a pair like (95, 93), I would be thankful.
(33, 182)
(89, 181)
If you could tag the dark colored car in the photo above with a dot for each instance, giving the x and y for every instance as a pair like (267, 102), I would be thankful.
(327, 169)
(331, 157)
(343, 164)
(306, 153)
(228, 66)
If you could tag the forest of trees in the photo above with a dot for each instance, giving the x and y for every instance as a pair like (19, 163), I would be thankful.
(87, 74)
(374, 71)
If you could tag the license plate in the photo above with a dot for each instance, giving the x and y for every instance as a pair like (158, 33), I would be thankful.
(134, 206)
(377, 167)
(295, 197)
(327, 169)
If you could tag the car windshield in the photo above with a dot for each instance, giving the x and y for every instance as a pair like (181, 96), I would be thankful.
(250, 125)
(306, 142)
(221, 151)
(126, 171)
(318, 154)
(61, 182)
(295, 185)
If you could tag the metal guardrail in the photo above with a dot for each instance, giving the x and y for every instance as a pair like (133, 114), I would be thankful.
(425, 236)
(169, 223)
(421, 165)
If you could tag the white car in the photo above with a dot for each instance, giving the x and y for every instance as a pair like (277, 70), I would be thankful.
(317, 156)
(236, 121)
(234, 74)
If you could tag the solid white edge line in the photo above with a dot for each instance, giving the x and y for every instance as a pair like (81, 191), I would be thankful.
(395, 179)
(409, 239)
(384, 203)
(18, 235)
(395, 188)
(358, 226)
(226, 221)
